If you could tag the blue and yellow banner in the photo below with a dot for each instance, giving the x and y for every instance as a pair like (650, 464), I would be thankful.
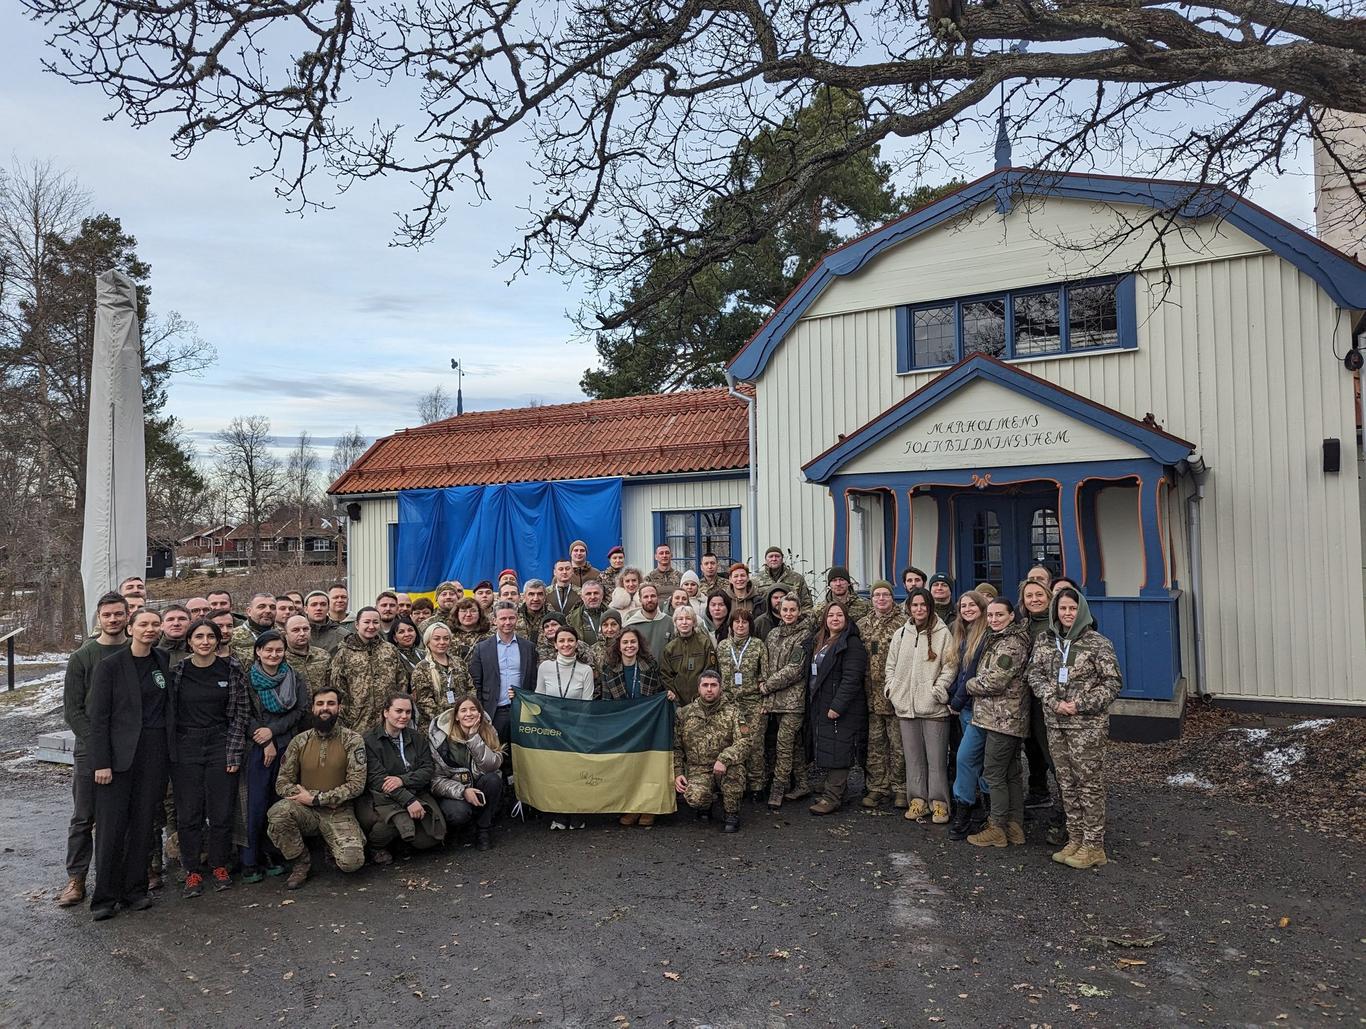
(591, 757)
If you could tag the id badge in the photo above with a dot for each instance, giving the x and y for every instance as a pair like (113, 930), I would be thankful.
(450, 696)
(1062, 676)
(739, 679)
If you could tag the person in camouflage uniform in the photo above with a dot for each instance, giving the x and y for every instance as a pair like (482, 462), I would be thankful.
(439, 679)
(1075, 675)
(885, 774)
(616, 561)
(664, 576)
(365, 669)
(318, 790)
(742, 659)
(608, 630)
(532, 612)
(310, 663)
(448, 594)
(1000, 692)
(785, 699)
(260, 618)
(775, 571)
(684, 657)
(711, 744)
(839, 586)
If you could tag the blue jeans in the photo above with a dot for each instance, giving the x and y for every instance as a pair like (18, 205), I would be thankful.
(970, 759)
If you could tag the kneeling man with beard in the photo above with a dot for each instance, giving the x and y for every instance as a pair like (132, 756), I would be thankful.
(322, 774)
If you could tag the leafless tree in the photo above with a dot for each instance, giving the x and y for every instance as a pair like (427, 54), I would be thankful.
(434, 406)
(301, 472)
(346, 451)
(635, 107)
(252, 475)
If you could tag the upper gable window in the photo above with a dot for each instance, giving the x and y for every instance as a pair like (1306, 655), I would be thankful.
(1032, 322)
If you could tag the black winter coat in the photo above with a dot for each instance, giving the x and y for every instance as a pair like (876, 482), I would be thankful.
(837, 686)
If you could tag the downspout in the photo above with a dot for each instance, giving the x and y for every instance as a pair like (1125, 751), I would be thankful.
(1196, 468)
(753, 475)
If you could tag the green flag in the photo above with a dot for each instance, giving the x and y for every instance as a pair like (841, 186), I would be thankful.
(600, 756)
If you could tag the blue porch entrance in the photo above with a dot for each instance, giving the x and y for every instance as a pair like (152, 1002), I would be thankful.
(1001, 536)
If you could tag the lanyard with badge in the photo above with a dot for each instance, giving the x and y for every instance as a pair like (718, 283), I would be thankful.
(739, 675)
(1065, 649)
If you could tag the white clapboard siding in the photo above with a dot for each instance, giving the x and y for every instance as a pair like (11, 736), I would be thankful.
(368, 549)
(640, 501)
(1236, 353)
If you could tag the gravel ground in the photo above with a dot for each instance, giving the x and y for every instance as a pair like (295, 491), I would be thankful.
(1210, 913)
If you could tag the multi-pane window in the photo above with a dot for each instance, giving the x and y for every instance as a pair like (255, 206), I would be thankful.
(1023, 323)
(1045, 538)
(986, 548)
(690, 534)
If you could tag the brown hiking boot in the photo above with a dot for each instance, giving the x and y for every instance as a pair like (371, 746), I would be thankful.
(991, 836)
(1072, 847)
(73, 894)
(628, 819)
(645, 821)
(173, 847)
(899, 799)
(873, 800)
(775, 797)
(1015, 833)
(298, 872)
(1087, 857)
(824, 806)
(798, 792)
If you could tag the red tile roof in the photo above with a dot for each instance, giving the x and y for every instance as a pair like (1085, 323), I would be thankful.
(701, 430)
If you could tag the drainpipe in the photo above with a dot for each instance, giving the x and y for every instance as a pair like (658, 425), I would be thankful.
(753, 503)
(1196, 468)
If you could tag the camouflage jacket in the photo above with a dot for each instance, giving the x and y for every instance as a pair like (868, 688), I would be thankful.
(242, 644)
(857, 607)
(877, 633)
(354, 744)
(311, 667)
(1093, 678)
(463, 642)
(785, 688)
(587, 623)
(683, 660)
(1000, 689)
(326, 635)
(764, 580)
(750, 661)
(436, 688)
(665, 582)
(365, 674)
(529, 622)
(707, 733)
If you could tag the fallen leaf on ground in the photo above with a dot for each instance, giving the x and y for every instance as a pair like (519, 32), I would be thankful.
(672, 976)
(780, 955)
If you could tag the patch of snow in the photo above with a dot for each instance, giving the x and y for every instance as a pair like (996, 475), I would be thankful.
(1278, 761)
(1312, 725)
(1254, 735)
(45, 658)
(1191, 780)
(41, 696)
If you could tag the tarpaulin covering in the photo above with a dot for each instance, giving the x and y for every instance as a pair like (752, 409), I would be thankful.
(474, 532)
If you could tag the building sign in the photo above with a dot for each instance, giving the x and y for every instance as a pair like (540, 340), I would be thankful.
(987, 435)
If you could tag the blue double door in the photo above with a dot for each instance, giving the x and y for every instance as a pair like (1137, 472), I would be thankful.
(1000, 536)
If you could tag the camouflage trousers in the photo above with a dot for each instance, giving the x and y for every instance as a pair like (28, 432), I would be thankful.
(787, 758)
(1079, 764)
(702, 788)
(751, 711)
(287, 823)
(886, 764)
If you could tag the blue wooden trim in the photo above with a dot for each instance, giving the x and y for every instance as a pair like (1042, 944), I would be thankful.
(999, 476)
(659, 529)
(890, 514)
(903, 339)
(1161, 447)
(1338, 275)
(737, 543)
(1146, 635)
(393, 554)
(943, 549)
(1069, 529)
(1090, 540)
(1154, 561)
(1126, 311)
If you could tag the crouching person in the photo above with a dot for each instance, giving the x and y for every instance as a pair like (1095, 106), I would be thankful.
(467, 782)
(711, 743)
(321, 775)
(398, 769)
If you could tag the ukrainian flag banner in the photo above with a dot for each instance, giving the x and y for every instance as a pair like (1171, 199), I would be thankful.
(590, 757)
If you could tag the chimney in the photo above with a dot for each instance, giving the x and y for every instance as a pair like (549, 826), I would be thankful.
(1340, 182)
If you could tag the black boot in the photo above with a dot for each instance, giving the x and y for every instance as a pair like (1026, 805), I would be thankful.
(959, 825)
(732, 824)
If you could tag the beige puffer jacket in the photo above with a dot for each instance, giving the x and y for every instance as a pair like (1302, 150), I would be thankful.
(917, 686)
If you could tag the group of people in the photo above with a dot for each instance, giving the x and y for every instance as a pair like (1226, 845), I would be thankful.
(389, 727)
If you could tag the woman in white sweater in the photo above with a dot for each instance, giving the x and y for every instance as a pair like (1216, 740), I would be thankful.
(566, 676)
(921, 665)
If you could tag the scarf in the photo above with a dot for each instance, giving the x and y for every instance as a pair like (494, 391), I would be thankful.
(276, 692)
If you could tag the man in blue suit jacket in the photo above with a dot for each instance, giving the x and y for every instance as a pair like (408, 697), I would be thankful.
(500, 663)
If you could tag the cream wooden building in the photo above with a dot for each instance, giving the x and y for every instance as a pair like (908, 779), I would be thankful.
(1140, 383)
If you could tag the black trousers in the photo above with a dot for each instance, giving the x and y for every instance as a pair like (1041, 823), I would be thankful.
(204, 791)
(80, 845)
(124, 810)
(460, 813)
(1036, 748)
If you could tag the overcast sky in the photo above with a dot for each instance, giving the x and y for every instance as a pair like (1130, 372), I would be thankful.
(317, 321)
